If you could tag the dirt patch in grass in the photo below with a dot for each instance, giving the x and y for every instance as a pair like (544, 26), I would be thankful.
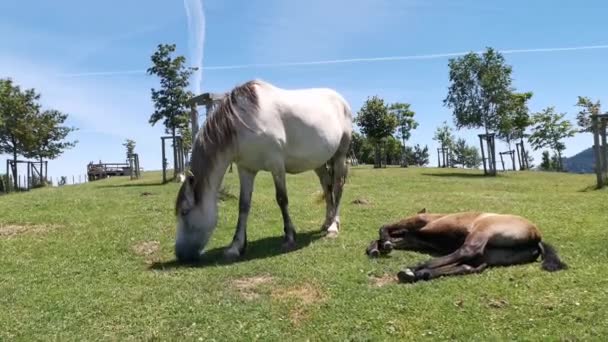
(150, 250)
(248, 287)
(361, 201)
(304, 295)
(8, 231)
(383, 280)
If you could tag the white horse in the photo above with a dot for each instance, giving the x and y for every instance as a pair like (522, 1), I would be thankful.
(259, 126)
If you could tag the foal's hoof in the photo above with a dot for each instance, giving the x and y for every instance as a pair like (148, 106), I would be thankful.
(374, 252)
(406, 276)
(387, 246)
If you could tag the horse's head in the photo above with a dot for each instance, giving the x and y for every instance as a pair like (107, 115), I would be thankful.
(196, 220)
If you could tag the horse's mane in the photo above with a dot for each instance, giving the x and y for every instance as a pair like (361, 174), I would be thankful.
(219, 129)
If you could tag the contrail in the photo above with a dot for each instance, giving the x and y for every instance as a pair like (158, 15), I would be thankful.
(349, 60)
(196, 28)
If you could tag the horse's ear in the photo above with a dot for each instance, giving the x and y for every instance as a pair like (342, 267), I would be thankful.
(422, 211)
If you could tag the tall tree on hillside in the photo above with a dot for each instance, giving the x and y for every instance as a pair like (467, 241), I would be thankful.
(445, 136)
(377, 123)
(17, 109)
(480, 87)
(550, 128)
(406, 123)
(514, 121)
(588, 108)
(49, 136)
(170, 100)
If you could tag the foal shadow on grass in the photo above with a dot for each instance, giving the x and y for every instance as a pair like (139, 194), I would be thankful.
(258, 249)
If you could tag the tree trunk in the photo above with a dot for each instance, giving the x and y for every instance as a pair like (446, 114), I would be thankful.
(174, 154)
(559, 161)
(15, 180)
(378, 157)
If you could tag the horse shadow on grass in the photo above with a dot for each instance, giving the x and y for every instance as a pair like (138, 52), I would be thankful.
(256, 250)
(456, 175)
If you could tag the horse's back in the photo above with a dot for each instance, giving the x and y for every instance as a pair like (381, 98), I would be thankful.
(302, 128)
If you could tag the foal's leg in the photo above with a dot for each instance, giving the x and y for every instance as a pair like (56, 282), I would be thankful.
(409, 276)
(239, 241)
(289, 241)
(472, 247)
(325, 179)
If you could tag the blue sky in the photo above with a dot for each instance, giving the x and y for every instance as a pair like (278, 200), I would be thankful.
(75, 53)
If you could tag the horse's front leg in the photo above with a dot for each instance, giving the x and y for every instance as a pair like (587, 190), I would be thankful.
(239, 241)
(289, 241)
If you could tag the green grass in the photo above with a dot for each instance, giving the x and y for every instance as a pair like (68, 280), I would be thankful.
(82, 280)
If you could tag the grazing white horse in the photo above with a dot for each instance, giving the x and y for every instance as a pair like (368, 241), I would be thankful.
(259, 126)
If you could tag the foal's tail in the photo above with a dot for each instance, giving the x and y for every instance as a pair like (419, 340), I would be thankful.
(551, 261)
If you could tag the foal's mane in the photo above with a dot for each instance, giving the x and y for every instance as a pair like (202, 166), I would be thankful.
(219, 130)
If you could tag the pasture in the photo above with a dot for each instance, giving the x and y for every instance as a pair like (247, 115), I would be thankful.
(95, 261)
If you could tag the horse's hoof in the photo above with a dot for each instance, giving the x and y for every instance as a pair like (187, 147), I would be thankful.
(288, 246)
(231, 254)
(406, 276)
(387, 246)
(332, 234)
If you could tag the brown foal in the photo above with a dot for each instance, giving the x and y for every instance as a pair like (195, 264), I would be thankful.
(468, 242)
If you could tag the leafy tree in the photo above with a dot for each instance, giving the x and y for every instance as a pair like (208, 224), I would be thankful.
(377, 123)
(421, 155)
(588, 108)
(129, 146)
(480, 86)
(514, 118)
(406, 122)
(545, 163)
(17, 109)
(49, 136)
(393, 150)
(465, 155)
(445, 136)
(170, 101)
(549, 130)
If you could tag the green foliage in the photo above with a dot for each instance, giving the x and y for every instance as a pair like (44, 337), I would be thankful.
(514, 117)
(465, 155)
(49, 136)
(421, 155)
(170, 101)
(18, 109)
(444, 135)
(550, 128)
(479, 88)
(377, 122)
(405, 120)
(129, 146)
(588, 108)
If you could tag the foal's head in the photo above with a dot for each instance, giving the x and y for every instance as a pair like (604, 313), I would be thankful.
(196, 220)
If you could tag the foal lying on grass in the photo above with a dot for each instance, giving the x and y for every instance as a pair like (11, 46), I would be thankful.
(468, 242)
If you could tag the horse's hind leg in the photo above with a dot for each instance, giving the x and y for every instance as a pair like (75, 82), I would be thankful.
(409, 276)
(473, 246)
(289, 241)
(325, 179)
(339, 174)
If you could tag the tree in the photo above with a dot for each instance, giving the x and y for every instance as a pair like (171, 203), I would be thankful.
(17, 109)
(480, 86)
(393, 150)
(588, 108)
(377, 123)
(549, 130)
(130, 146)
(445, 136)
(465, 155)
(170, 102)
(421, 155)
(49, 136)
(514, 118)
(405, 123)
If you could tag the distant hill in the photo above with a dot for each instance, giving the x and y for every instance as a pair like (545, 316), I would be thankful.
(583, 162)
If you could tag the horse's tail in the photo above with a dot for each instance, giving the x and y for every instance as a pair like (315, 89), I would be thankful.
(551, 261)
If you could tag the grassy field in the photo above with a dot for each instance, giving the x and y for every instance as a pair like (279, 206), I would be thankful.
(95, 261)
